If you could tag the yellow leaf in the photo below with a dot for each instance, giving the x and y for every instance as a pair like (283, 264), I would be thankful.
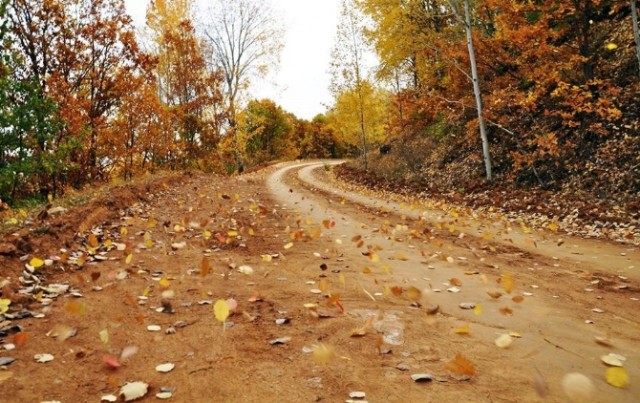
(611, 46)
(617, 377)
(148, 243)
(50, 197)
(266, 258)
(129, 258)
(366, 270)
(36, 262)
(124, 231)
(251, 232)
(104, 336)
(164, 282)
(401, 256)
(206, 234)
(374, 257)
(414, 294)
(322, 353)
(387, 269)
(289, 245)
(232, 234)
(341, 278)
(506, 280)
(477, 310)
(221, 310)
(553, 227)
(324, 286)
(151, 223)
(4, 305)
(463, 329)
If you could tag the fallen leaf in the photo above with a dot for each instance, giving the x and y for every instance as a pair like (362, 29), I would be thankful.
(205, 267)
(104, 336)
(221, 310)
(477, 310)
(506, 311)
(36, 262)
(578, 387)
(506, 280)
(461, 366)
(617, 377)
(455, 282)
(323, 353)
(20, 339)
(133, 391)
(463, 329)
(111, 361)
(517, 299)
(495, 294)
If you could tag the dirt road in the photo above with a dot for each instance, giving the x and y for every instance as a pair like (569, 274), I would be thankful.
(278, 243)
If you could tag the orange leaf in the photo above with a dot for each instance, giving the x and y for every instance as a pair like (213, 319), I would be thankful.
(495, 295)
(455, 282)
(93, 241)
(517, 299)
(461, 366)
(75, 307)
(397, 291)
(506, 311)
(20, 339)
(205, 268)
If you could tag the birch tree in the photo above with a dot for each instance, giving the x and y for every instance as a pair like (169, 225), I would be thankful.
(466, 20)
(347, 65)
(636, 33)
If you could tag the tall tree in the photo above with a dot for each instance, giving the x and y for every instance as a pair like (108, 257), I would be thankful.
(636, 31)
(246, 39)
(466, 20)
(348, 70)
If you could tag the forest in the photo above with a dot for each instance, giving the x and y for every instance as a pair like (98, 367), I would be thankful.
(462, 94)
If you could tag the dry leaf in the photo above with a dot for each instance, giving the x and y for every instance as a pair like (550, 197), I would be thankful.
(517, 299)
(20, 339)
(463, 329)
(617, 377)
(506, 311)
(461, 366)
(495, 294)
(397, 291)
(455, 282)
(205, 267)
(221, 310)
(506, 280)
(323, 353)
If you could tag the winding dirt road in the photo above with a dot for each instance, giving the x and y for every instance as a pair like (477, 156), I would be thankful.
(338, 290)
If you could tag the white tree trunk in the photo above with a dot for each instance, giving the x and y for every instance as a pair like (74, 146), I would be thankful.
(636, 34)
(476, 91)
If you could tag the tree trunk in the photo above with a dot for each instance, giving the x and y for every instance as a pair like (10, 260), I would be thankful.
(476, 91)
(636, 34)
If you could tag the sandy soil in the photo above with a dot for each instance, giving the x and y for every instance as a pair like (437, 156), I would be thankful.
(287, 236)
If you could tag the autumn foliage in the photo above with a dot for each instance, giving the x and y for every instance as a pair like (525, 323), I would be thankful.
(559, 83)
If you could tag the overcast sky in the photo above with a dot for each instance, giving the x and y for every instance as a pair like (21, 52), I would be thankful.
(301, 84)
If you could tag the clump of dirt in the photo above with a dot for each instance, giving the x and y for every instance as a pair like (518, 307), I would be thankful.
(46, 234)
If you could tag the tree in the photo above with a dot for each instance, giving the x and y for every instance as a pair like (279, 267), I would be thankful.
(636, 32)
(246, 40)
(351, 107)
(348, 64)
(476, 84)
(268, 132)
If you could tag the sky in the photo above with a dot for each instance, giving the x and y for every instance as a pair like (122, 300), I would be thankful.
(301, 84)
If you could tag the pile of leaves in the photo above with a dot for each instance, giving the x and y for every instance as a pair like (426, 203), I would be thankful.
(571, 210)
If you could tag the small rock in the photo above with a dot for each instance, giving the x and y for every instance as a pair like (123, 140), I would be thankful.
(421, 378)
(6, 361)
(467, 305)
(281, 340)
(403, 367)
(357, 395)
